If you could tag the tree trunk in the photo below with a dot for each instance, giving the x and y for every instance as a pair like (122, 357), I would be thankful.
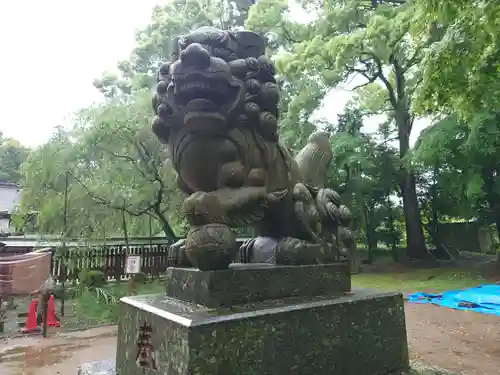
(434, 209)
(370, 239)
(414, 233)
(392, 231)
(433, 217)
(491, 196)
(165, 225)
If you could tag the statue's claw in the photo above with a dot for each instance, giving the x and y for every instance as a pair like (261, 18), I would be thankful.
(306, 212)
(294, 251)
(328, 202)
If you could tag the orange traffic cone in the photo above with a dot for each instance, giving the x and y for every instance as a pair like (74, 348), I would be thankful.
(51, 314)
(31, 325)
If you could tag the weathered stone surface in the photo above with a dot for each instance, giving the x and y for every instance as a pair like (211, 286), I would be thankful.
(105, 367)
(363, 334)
(421, 369)
(244, 283)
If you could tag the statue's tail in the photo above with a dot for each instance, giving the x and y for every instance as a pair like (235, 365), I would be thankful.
(315, 159)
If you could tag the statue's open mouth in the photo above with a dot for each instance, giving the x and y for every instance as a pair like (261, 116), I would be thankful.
(202, 95)
(217, 91)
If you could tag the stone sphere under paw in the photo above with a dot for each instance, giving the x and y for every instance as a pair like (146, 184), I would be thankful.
(211, 246)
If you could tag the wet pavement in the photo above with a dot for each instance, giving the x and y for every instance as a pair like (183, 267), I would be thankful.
(58, 354)
(460, 341)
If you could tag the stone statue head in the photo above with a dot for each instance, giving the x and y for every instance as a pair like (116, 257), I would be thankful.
(221, 79)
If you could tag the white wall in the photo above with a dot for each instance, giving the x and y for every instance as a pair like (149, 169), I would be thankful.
(4, 226)
(9, 198)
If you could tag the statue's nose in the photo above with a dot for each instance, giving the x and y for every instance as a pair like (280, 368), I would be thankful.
(195, 56)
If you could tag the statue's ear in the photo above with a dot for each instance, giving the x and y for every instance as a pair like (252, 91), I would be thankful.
(250, 44)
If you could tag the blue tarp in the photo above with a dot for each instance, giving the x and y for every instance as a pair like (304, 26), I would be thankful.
(483, 299)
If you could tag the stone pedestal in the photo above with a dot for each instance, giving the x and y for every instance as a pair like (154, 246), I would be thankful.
(224, 323)
(244, 283)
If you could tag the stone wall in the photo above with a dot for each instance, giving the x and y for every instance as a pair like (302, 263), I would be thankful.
(466, 236)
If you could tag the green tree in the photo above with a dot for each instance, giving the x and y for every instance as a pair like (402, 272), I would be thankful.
(370, 40)
(352, 157)
(43, 179)
(115, 165)
(12, 155)
(367, 174)
(461, 68)
(122, 165)
(464, 156)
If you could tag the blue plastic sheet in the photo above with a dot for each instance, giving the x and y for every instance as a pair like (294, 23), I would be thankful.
(483, 299)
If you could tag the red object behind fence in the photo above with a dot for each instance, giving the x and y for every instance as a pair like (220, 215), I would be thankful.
(51, 314)
(31, 325)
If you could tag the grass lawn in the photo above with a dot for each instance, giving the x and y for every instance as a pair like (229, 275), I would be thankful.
(100, 306)
(418, 280)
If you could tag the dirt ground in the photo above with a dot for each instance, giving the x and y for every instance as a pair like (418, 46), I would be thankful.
(465, 342)
(461, 341)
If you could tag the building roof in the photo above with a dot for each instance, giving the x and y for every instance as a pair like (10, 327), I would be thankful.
(9, 196)
(9, 185)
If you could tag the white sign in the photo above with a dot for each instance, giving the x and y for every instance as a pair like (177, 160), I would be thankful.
(133, 264)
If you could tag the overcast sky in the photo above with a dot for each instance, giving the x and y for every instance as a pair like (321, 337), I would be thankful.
(52, 50)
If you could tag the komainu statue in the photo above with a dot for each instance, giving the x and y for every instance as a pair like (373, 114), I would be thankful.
(217, 110)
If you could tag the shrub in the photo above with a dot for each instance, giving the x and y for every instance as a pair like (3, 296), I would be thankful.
(141, 278)
(68, 293)
(92, 279)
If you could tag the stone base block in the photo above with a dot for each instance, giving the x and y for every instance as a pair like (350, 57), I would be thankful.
(362, 334)
(245, 283)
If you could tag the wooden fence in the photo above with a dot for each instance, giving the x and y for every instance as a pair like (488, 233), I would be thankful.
(108, 258)
(111, 260)
(155, 259)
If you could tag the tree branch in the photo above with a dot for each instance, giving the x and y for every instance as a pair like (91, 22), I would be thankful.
(106, 203)
(364, 73)
(130, 159)
(376, 113)
(412, 61)
(383, 78)
(288, 36)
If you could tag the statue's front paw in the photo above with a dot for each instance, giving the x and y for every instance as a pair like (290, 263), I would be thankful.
(200, 208)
